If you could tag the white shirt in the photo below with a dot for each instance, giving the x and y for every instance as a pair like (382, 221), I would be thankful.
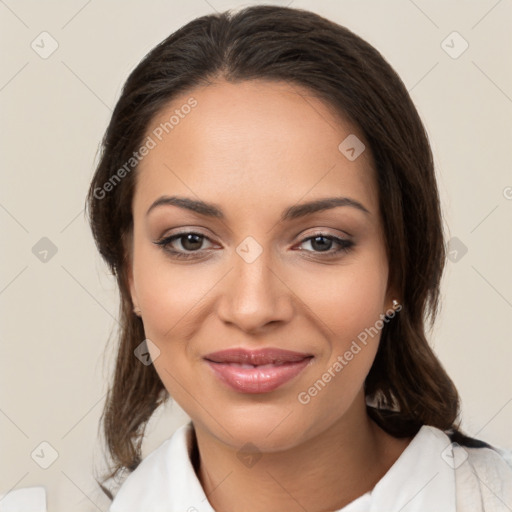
(431, 475)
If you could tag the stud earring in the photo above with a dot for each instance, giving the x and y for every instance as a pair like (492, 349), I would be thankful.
(396, 307)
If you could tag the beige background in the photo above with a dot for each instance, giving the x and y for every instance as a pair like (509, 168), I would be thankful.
(57, 315)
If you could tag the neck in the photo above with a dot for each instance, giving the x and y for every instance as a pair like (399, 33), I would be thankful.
(342, 463)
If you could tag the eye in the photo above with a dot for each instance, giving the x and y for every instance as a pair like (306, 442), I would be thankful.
(328, 244)
(191, 245)
(184, 245)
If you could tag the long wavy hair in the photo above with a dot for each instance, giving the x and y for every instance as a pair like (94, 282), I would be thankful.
(407, 384)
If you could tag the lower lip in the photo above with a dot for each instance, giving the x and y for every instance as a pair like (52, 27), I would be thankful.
(258, 379)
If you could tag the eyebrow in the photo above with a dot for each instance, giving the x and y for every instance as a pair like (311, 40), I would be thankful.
(292, 212)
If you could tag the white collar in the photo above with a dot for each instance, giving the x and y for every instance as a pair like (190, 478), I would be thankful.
(419, 480)
(165, 481)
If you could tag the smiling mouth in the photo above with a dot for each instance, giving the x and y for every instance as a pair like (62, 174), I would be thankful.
(257, 371)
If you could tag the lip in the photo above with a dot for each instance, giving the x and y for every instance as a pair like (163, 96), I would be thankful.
(257, 371)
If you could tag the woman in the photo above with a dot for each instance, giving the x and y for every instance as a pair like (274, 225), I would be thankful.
(266, 199)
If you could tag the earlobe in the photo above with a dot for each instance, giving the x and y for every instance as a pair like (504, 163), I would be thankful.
(394, 307)
(393, 301)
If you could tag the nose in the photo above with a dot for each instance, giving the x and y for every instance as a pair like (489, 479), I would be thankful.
(255, 295)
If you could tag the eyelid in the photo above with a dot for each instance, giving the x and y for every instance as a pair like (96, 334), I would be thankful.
(327, 230)
(336, 233)
(344, 246)
(176, 235)
(168, 233)
(301, 237)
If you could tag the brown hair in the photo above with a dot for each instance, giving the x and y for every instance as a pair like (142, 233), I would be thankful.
(408, 384)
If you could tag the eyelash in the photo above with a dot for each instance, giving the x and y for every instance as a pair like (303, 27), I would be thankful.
(165, 243)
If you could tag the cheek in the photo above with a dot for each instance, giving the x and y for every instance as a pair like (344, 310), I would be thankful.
(346, 304)
(170, 299)
(346, 299)
(166, 295)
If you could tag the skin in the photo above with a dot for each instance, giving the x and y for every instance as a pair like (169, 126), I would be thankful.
(254, 149)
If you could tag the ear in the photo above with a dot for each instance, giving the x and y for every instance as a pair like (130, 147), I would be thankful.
(128, 273)
(131, 285)
(392, 300)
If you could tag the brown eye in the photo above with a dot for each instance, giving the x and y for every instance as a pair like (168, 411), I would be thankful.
(183, 245)
(321, 243)
(191, 241)
(328, 244)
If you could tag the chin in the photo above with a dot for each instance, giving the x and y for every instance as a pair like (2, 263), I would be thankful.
(270, 427)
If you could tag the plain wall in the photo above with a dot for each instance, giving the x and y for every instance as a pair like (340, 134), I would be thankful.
(57, 315)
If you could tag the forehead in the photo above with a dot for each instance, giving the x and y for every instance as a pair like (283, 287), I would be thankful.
(253, 143)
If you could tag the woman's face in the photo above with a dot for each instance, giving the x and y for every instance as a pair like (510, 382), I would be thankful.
(261, 269)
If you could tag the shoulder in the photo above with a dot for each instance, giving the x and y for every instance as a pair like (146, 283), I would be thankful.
(481, 473)
(485, 475)
(493, 463)
(484, 458)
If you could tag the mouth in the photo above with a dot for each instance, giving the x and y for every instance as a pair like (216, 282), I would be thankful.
(257, 371)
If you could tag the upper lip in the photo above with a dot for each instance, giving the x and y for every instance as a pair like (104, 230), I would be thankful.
(256, 357)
